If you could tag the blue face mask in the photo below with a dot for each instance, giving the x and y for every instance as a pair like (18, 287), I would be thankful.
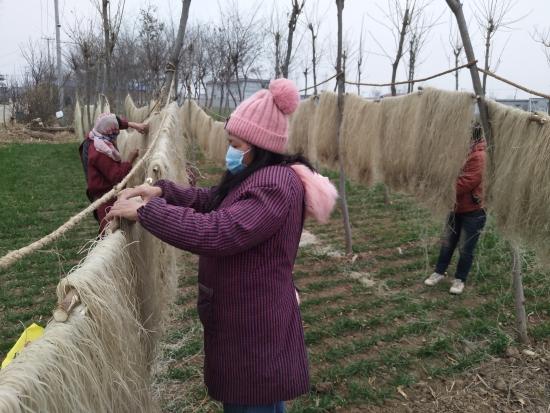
(234, 160)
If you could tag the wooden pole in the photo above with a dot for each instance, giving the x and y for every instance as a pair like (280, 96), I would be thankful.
(173, 61)
(519, 297)
(456, 8)
(341, 81)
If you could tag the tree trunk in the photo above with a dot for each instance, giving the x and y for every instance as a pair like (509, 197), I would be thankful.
(360, 58)
(235, 103)
(58, 52)
(341, 90)
(359, 62)
(88, 91)
(395, 65)
(212, 93)
(222, 90)
(399, 53)
(519, 297)
(456, 8)
(487, 52)
(176, 72)
(277, 55)
(201, 80)
(314, 59)
(227, 94)
(99, 75)
(412, 66)
(305, 78)
(238, 84)
(107, 81)
(245, 77)
(296, 10)
(173, 61)
(457, 55)
(188, 87)
(82, 121)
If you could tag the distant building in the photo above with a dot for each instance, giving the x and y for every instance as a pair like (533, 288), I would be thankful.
(5, 113)
(538, 105)
(218, 94)
(529, 105)
(3, 90)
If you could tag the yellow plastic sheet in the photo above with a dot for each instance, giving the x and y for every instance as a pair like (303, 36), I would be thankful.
(31, 333)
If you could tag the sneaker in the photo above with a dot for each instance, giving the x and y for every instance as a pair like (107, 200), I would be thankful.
(457, 287)
(433, 279)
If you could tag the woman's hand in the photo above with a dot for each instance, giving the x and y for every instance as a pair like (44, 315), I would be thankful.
(145, 191)
(140, 127)
(125, 208)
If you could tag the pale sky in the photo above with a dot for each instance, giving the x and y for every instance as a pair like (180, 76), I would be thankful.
(522, 59)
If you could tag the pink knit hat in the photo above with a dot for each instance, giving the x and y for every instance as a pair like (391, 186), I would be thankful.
(262, 119)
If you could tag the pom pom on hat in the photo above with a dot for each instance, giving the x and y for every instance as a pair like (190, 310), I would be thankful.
(262, 119)
(285, 95)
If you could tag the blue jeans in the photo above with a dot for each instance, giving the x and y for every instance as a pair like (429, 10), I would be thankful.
(278, 407)
(462, 230)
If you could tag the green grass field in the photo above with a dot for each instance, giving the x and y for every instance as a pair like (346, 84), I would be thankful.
(42, 185)
(364, 342)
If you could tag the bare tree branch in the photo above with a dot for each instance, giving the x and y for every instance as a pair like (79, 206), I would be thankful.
(493, 16)
(543, 38)
(297, 8)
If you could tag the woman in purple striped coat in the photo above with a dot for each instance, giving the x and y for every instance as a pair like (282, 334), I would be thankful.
(246, 231)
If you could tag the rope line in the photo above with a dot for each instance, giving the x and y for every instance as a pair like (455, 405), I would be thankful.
(454, 69)
(525, 89)
(319, 84)
(405, 82)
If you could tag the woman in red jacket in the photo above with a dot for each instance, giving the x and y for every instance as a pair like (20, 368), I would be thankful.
(103, 166)
(467, 220)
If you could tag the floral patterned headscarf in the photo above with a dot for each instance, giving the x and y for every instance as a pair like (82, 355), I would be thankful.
(103, 135)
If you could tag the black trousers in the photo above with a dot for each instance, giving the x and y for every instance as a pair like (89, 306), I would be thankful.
(462, 230)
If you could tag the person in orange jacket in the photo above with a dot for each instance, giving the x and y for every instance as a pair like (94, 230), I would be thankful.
(465, 223)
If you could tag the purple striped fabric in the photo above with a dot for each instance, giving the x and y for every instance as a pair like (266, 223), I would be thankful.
(253, 337)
